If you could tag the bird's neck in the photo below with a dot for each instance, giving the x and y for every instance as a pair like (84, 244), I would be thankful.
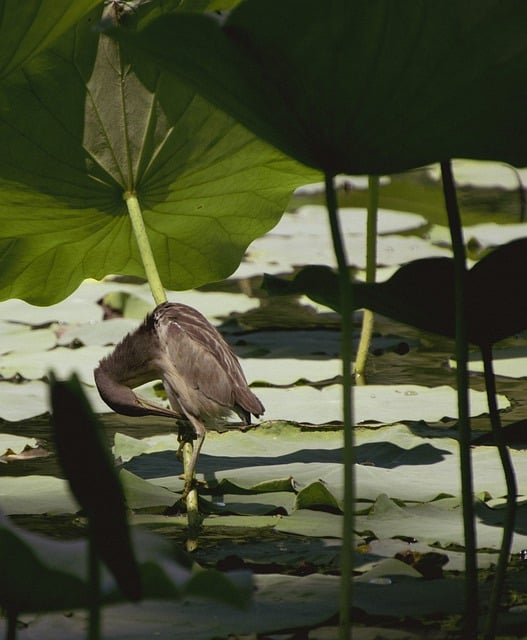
(117, 396)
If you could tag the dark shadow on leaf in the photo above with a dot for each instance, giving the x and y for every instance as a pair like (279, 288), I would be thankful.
(384, 454)
(495, 517)
(388, 455)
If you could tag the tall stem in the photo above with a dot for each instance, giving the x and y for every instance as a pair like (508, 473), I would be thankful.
(371, 268)
(467, 491)
(159, 295)
(11, 631)
(145, 249)
(346, 306)
(510, 480)
(94, 573)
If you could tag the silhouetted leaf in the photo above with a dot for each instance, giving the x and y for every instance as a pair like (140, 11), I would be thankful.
(421, 293)
(360, 87)
(90, 469)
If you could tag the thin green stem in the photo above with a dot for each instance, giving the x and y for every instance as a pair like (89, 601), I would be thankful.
(510, 480)
(193, 517)
(346, 305)
(371, 269)
(94, 574)
(158, 292)
(145, 249)
(465, 459)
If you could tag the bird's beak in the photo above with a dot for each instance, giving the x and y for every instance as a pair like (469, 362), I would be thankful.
(156, 409)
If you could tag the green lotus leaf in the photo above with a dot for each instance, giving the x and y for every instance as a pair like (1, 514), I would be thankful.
(28, 27)
(79, 129)
(359, 87)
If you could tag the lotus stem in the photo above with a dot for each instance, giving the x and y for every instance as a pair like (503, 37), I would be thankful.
(346, 306)
(371, 269)
(145, 249)
(193, 517)
(465, 458)
(510, 480)
(159, 295)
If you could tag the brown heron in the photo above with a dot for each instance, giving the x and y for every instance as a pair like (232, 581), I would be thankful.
(200, 373)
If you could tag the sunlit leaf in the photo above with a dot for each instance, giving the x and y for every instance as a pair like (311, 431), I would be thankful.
(27, 28)
(80, 129)
(90, 471)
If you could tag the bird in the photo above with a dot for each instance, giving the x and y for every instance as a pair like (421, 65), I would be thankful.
(202, 376)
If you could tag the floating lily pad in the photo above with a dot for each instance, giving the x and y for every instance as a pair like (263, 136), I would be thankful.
(10, 443)
(311, 220)
(510, 362)
(483, 174)
(21, 338)
(344, 182)
(105, 332)
(36, 494)
(378, 403)
(281, 254)
(64, 361)
(440, 522)
(23, 401)
(491, 234)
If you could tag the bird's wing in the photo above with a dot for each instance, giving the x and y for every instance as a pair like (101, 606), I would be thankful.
(202, 357)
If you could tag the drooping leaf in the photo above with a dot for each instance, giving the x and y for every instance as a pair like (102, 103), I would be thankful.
(79, 129)
(90, 470)
(421, 293)
(396, 87)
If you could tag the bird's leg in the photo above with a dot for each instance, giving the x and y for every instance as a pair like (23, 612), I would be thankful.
(185, 434)
(199, 435)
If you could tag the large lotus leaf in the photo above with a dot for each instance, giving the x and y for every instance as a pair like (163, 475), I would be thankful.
(28, 27)
(79, 130)
(361, 87)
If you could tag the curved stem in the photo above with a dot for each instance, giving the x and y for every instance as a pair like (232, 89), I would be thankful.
(371, 268)
(143, 243)
(510, 480)
(346, 306)
(465, 458)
